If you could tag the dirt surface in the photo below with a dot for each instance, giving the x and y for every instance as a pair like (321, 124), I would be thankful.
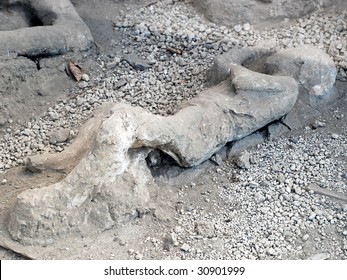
(149, 236)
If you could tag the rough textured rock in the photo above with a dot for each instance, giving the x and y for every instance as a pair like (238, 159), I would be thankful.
(59, 136)
(62, 30)
(111, 180)
(243, 160)
(315, 72)
(230, 13)
(80, 203)
(136, 62)
(311, 67)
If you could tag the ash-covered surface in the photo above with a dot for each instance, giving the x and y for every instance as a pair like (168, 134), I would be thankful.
(264, 212)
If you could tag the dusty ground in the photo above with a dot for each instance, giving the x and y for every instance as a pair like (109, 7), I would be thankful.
(149, 236)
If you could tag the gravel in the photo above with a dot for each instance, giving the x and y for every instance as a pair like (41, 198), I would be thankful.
(267, 211)
(260, 211)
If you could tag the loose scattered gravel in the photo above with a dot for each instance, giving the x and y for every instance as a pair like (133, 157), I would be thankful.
(264, 212)
(269, 211)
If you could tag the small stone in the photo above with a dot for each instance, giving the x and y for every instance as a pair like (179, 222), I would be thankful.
(297, 203)
(335, 136)
(119, 84)
(281, 178)
(264, 210)
(272, 252)
(59, 136)
(305, 237)
(180, 61)
(318, 124)
(185, 247)
(85, 77)
(154, 158)
(216, 158)
(82, 84)
(246, 27)
(178, 229)
(136, 62)
(243, 160)
(259, 198)
(53, 115)
(4, 182)
(312, 216)
(27, 132)
(297, 190)
(253, 185)
(238, 28)
(173, 238)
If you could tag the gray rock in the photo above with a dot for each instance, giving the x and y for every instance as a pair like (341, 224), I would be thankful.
(120, 83)
(185, 247)
(82, 84)
(136, 62)
(60, 136)
(243, 160)
(318, 124)
(54, 116)
(27, 132)
(216, 158)
(311, 67)
(305, 237)
(259, 198)
(317, 91)
(85, 77)
(315, 72)
(154, 158)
